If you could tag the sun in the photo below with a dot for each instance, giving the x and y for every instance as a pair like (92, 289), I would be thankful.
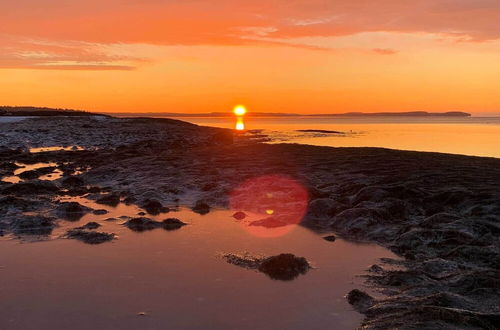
(240, 110)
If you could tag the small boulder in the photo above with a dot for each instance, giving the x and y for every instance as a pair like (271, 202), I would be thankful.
(201, 207)
(284, 267)
(360, 300)
(330, 238)
(154, 207)
(142, 224)
(90, 225)
(29, 175)
(90, 237)
(100, 212)
(172, 224)
(239, 215)
(109, 199)
(72, 210)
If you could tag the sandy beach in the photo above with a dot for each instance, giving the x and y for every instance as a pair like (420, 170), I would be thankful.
(437, 213)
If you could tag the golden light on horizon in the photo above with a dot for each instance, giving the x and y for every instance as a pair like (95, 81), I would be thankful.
(239, 110)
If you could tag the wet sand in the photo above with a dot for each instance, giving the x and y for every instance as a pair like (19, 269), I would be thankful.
(437, 212)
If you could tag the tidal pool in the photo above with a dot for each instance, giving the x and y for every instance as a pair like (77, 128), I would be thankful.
(54, 175)
(162, 279)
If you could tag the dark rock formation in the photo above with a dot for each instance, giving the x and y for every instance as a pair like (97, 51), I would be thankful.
(90, 237)
(109, 199)
(201, 207)
(72, 210)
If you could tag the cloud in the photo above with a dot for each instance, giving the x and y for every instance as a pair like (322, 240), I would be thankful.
(25, 53)
(90, 24)
(384, 51)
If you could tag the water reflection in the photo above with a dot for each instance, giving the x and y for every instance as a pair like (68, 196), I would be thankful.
(175, 277)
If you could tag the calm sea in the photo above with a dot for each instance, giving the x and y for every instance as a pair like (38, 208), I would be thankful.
(478, 136)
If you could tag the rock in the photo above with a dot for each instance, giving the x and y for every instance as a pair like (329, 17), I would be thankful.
(172, 224)
(223, 137)
(90, 225)
(73, 181)
(100, 212)
(141, 213)
(375, 269)
(244, 260)
(31, 188)
(129, 200)
(284, 267)
(360, 300)
(90, 237)
(142, 224)
(94, 190)
(72, 210)
(109, 199)
(239, 215)
(201, 207)
(29, 175)
(154, 207)
(324, 208)
(8, 203)
(33, 225)
(330, 238)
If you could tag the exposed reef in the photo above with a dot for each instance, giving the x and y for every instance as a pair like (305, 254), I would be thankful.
(439, 212)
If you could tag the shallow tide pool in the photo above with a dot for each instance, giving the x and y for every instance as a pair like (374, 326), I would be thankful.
(176, 279)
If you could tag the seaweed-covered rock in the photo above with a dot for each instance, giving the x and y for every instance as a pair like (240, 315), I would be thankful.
(284, 267)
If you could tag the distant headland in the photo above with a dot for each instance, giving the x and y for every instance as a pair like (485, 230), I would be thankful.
(279, 114)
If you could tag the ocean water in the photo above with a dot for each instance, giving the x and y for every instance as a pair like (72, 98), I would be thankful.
(476, 136)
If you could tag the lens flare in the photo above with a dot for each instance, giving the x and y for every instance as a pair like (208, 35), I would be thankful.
(240, 110)
(275, 204)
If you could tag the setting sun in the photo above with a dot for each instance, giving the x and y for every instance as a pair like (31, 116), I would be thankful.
(240, 110)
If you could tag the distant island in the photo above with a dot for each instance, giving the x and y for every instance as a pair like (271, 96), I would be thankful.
(28, 111)
(43, 111)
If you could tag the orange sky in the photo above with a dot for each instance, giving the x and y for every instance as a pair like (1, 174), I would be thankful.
(307, 56)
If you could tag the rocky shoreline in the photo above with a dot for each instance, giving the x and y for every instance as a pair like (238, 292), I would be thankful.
(439, 212)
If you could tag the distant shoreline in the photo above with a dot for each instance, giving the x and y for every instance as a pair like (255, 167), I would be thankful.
(275, 114)
(43, 111)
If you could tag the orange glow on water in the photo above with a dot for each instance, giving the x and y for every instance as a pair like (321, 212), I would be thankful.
(240, 125)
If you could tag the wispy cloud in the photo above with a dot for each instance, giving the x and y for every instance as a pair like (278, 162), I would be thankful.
(49, 33)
